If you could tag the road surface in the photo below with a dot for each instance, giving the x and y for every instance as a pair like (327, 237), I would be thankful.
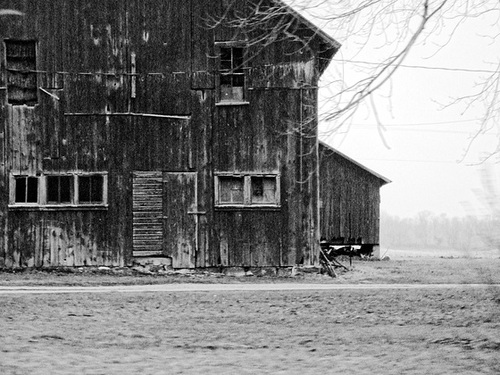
(226, 287)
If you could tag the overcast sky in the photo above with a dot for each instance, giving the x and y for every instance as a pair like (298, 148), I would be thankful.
(423, 150)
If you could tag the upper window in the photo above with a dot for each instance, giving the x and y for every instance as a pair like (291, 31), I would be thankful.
(252, 190)
(231, 74)
(20, 61)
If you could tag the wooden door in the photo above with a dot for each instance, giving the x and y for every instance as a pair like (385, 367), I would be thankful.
(180, 220)
(147, 197)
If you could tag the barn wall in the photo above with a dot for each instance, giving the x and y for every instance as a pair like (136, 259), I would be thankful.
(123, 88)
(350, 201)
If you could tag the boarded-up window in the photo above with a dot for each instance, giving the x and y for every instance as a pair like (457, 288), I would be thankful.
(59, 189)
(90, 189)
(263, 190)
(26, 189)
(232, 74)
(20, 56)
(231, 189)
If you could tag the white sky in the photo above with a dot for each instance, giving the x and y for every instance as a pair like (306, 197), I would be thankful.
(425, 139)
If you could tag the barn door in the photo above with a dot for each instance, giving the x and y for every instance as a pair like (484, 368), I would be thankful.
(180, 220)
(147, 196)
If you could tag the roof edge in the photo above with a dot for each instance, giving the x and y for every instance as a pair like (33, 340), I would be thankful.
(323, 35)
(334, 150)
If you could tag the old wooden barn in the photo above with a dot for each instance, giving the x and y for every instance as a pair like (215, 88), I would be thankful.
(147, 128)
(350, 200)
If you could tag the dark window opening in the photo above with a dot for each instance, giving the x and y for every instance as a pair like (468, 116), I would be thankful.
(232, 74)
(59, 189)
(231, 190)
(20, 62)
(90, 189)
(26, 190)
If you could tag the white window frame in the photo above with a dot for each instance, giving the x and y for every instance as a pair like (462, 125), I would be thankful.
(12, 190)
(231, 45)
(247, 190)
(42, 202)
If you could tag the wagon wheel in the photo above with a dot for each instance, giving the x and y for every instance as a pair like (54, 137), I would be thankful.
(326, 264)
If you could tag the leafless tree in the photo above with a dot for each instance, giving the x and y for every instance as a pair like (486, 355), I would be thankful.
(396, 25)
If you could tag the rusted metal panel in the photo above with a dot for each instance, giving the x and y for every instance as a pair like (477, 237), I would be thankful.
(147, 209)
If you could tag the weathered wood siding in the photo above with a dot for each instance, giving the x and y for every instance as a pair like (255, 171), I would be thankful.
(350, 200)
(129, 89)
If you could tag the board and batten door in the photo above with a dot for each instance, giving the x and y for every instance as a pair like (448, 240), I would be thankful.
(147, 202)
(180, 218)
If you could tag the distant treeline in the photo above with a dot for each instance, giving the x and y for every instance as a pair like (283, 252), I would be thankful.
(427, 230)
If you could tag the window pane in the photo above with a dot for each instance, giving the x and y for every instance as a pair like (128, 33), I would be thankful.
(90, 189)
(225, 59)
(264, 190)
(84, 189)
(238, 80)
(231, 189)
(52, 188)
(32, 190)
(20, 189)
(59, 189)
(65, 188)
(226, 79)
(237, 58)
(96, 189)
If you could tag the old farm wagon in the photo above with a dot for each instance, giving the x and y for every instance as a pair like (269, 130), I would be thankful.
(159, 128)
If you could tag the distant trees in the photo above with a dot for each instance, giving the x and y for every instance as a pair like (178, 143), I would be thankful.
(429, 231)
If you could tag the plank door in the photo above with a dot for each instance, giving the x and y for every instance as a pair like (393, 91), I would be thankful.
(180, 219)
(147, 199)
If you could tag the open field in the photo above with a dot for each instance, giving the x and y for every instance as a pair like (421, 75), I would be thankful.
(410, 331)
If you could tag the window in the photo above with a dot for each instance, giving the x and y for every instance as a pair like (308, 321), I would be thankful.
(251, 190)
(26, 189)
(231, 190)
(231, 74)
(20, 61)
(263, 190)
(61, 190)
(90, 189)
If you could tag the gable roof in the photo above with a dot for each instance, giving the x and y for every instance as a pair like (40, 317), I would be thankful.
(329, 148)
(327, 39)
(330, 45)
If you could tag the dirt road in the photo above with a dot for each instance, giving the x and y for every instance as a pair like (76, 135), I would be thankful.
(231, 287)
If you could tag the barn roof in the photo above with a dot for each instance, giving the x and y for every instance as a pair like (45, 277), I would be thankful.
(385, 180)
(320, 33)
(331, 45)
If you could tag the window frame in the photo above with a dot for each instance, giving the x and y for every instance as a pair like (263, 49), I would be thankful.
(13, 190)
(42, 195)
(231, 45)
(247, 191)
